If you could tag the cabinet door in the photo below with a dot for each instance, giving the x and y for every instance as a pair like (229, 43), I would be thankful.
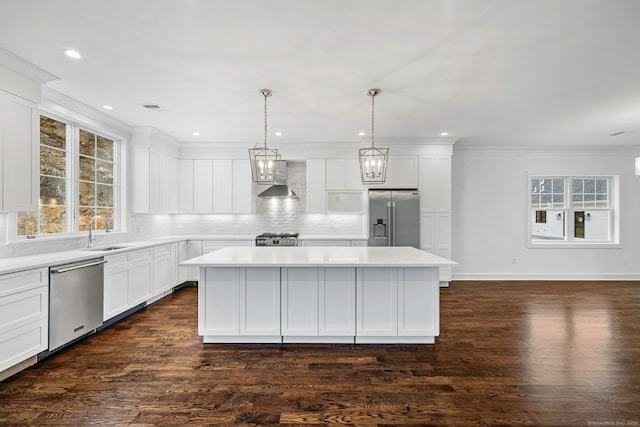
(203, 186)
(435, 238)
(337, 301)
(21, 157)
(300, 301)
(174, 264)
(159, 171)
(194, 249)
(435, 184)
(377, 301)
(116, 290)
(185, 186)
(140, 185)
(260, 302)
(242, 186)
(141, 276)
(183, 255)
(219, 301)
(352, 178)
(316, 186)
(222, 186)
(161, 273)
(335, 174)
(418, 302)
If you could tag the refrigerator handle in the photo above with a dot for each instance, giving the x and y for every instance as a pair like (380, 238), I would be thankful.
(393, 224)
(390, 227)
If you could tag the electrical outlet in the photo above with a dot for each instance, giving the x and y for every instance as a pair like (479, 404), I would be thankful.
(514, 260)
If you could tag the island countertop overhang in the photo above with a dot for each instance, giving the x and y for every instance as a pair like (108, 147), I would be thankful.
(326, 256)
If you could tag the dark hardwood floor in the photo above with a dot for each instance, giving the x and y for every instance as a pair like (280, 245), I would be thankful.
(509, 353)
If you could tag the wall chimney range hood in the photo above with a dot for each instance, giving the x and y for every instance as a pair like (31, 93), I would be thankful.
(280, 190)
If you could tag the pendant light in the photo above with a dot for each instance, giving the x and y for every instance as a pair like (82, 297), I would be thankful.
(264, 161)
(373, 161)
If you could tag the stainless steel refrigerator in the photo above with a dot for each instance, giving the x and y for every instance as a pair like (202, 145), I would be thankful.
(394, 218)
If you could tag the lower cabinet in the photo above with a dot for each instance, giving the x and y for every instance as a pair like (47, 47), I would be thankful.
(240, 305)
(183, 255)
(161, 269)
(318, 302)
(24, 316)
(397, 302)
(128, 281)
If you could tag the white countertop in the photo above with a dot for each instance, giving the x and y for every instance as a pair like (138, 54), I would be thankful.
(309, 256)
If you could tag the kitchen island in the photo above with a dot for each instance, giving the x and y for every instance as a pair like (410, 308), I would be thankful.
(360, 295)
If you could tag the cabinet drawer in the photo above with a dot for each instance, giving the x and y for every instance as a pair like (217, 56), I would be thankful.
(22, 343)
(161, 250)
(22, 308)
(23, 280)
(117, 260)
(141, 255)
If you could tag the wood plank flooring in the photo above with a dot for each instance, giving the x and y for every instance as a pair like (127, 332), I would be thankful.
(509, 353)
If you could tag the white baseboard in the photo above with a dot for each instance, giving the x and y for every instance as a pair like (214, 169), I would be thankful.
(546, 276)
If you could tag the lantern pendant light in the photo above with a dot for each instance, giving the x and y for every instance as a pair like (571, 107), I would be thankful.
(264, 161)
(373, 161)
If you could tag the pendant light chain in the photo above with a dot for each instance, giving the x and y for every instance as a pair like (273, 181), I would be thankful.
(265, 94)
(373, 107)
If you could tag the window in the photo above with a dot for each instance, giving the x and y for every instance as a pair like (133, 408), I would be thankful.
(78, 179)
(573, 209)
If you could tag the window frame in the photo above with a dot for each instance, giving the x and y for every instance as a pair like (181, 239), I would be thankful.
(73, 128)
(614, 181)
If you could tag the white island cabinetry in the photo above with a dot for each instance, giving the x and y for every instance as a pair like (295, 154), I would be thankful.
(308, 294)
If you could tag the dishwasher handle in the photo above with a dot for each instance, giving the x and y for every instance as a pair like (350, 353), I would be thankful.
(76, 267)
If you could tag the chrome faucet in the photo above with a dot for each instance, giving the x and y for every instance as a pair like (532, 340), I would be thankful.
(106, 224)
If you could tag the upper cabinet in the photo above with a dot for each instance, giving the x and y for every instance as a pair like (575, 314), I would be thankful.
(343, 174)
(402, 172)
(19, 153)
(435, 183)
(220, 186)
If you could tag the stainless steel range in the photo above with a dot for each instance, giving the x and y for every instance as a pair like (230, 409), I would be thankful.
(277, 239)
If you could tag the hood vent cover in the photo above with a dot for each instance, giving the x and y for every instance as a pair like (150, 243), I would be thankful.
(280, 190)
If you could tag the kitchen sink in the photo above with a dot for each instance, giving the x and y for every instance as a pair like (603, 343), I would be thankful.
(107, 248)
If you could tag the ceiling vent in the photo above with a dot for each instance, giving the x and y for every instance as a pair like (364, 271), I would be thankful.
(154, 107)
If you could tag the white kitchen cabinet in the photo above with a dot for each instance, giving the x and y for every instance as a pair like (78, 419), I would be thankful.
(343, 174)
(174, 264)
(140, 276)
(194, 249)
(203, 186)
(435, 237)
(161, 269)
(401, 302)
(222, 186)
(183, 255)
(154, 178)
(24, 315)
(19, 153)
(435, 184)
(240, 304)
(116, 285)
(128, 281)
(318, 302)
(316, 186)
(402, 172)
(185, 186)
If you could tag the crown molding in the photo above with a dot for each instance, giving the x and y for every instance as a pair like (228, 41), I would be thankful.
(25, 68)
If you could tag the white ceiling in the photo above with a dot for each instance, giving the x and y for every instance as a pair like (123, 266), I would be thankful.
(490, 72)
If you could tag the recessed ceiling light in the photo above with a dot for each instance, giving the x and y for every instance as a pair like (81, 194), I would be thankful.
(196, 134)
(107, 107)
(278, 134)
(72, 53)
(361, 134)
(444, 133)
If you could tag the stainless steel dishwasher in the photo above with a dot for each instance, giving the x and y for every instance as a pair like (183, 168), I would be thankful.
(75, 300)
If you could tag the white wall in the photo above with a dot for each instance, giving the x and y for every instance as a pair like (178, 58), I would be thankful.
(490, 214)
